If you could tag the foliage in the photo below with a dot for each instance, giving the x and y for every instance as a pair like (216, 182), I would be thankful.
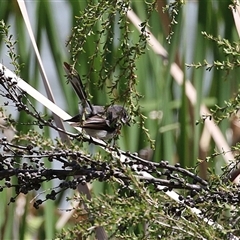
(111, 58)
(117, 64)
(231, 61)
(10, 44)
(173, 9)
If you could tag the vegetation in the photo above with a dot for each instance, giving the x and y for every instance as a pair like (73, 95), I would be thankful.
(174, 173)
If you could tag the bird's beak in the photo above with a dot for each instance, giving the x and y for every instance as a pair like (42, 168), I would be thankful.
(126, 121)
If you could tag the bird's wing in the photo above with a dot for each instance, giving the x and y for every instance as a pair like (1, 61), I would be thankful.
(97, 122)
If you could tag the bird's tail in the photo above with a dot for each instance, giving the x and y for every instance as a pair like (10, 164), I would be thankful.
(76, 82)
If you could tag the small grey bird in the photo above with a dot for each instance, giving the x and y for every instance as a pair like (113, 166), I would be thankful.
(97, 121)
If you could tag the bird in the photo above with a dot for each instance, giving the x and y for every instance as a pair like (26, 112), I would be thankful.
(102, 122)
